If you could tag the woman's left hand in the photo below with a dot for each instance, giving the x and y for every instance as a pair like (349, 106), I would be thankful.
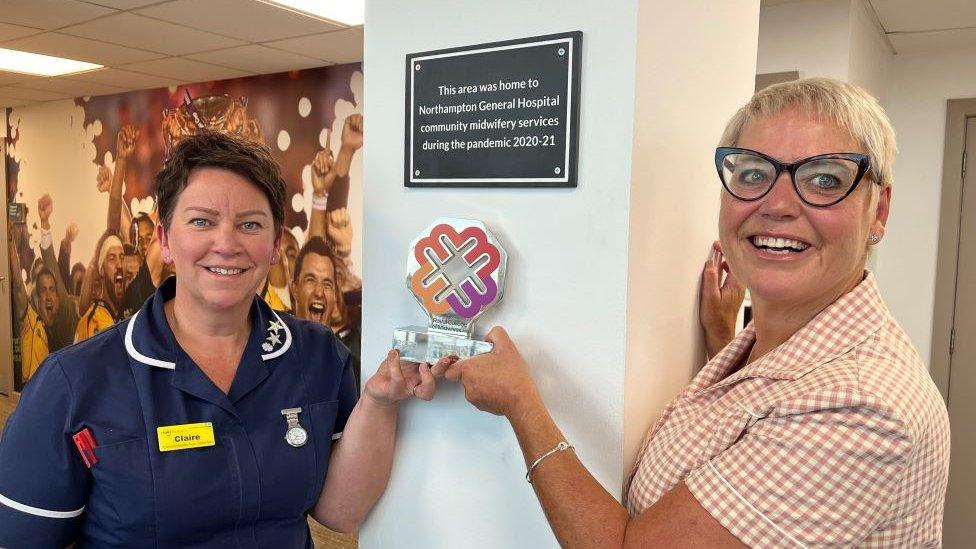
(396, 379)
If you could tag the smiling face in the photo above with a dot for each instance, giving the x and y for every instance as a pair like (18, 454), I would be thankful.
(221, 238)
(785, 251)
(315, 289)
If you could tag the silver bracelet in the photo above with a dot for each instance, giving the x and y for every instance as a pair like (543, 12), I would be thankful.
(559, 448)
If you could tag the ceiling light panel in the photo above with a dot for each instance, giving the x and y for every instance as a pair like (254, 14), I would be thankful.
(41, 65)
(347, 12)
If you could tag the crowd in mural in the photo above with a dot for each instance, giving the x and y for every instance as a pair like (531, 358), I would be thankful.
(60, 298)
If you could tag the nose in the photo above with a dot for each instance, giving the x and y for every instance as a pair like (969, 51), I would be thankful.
(781, 202)
(226, 241)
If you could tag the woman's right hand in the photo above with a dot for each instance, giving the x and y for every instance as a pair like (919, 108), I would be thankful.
(720, 301)
(497, 381)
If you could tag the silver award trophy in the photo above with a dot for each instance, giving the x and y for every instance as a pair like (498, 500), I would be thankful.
(456, 270)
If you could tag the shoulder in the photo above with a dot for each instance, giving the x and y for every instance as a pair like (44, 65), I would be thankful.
(312, 339)
(95, 356)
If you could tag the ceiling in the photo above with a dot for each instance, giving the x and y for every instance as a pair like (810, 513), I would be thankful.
(914, 26)
(152, 43)
(920, 26)
(155, 43)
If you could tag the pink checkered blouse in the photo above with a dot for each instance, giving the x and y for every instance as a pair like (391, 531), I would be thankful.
(838, 437)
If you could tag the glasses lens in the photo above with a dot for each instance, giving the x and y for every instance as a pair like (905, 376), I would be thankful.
(826, 180)
(747, 176)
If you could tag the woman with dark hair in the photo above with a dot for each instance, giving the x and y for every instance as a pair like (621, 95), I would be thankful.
(207, 418)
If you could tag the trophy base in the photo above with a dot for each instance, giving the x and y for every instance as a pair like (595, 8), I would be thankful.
(417, 344)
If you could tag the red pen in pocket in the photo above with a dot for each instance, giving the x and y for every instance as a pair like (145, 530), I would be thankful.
(85, 443)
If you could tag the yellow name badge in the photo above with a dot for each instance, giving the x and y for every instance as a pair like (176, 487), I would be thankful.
(184, 437)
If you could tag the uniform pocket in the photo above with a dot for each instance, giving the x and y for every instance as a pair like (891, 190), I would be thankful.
(322, 416)
(121, 506)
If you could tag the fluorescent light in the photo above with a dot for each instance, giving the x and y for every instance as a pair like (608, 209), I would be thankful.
(41, 65)
(347, 12)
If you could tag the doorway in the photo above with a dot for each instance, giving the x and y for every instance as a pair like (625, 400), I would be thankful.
(954, 326)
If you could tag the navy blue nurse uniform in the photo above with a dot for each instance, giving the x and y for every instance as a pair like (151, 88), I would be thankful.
(252, 488)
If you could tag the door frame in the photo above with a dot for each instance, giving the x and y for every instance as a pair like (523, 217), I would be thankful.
(6, 307)
(957, 112)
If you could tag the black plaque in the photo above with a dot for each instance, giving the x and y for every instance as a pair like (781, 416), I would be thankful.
(503, 114)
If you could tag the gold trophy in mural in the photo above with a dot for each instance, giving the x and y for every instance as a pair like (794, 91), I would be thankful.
(213, 112)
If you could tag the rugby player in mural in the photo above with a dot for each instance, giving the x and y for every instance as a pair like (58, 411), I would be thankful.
(47, 317)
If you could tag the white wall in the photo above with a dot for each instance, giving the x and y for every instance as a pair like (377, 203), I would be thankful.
(870, 55)
(675, 190)
(580, 293)
(920, 85)
(811, 36)
(458, 478)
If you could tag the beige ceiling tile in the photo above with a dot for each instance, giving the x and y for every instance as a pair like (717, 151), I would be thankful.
(17, 92)
(932, 42)
(7, 78)
(151, 34)
(11, 102)
(185, 70)
(344, 46)
(123, 4)
(251, 20)
(73, 88)
(258, 59)
(912, 15)
(125, 79)
(81, 49)
(10, 32)
(49, 14)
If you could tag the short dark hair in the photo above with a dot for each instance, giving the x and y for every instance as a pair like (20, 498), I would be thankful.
(43, 271)
(209, 149)
(316, 245)
(129, 249)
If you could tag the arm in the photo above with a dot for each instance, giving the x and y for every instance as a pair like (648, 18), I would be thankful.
(359, 467)
(64, 252)
(45, 206)
(124, 147)
(352, 141)
(19, 297)
(580, 511)
(323, 178)
(719, 302)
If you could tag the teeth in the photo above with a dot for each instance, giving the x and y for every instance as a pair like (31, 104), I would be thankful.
(222, 271)
(316, 308)
(779, 243)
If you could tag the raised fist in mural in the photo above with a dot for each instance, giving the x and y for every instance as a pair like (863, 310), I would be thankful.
(104, 179)
(352, 132)
(45, 205)
(340, 231)
(125, 144)
(323, 176)
(71, 233)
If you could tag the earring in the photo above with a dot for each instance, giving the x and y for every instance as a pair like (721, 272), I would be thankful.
(275, 258)
(167, 258)
(874, 239)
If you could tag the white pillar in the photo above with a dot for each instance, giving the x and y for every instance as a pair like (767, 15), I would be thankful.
(602, 278)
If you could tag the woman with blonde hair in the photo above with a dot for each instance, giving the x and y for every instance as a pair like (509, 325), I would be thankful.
(818, 424)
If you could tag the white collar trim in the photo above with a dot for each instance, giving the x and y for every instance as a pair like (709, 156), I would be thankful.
(131, 349)
(135, 354)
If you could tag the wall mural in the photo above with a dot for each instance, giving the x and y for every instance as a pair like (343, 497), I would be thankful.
(82, 249)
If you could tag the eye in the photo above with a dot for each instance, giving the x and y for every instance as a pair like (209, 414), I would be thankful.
(251, 226)
(199, 222)
(752, 177)
(825, 181)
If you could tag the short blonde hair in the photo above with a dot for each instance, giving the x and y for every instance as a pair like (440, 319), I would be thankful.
(849, 106)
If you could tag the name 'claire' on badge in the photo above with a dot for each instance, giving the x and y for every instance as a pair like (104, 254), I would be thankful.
(185, 436)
